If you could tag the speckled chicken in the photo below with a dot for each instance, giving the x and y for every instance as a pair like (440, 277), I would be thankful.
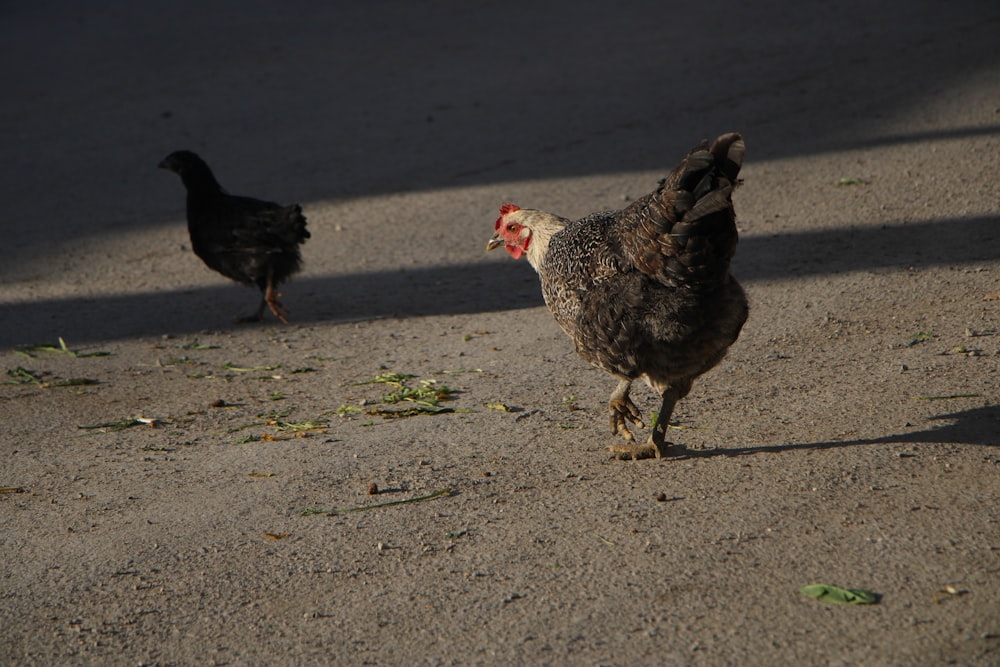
(251, 241)
(645, 292)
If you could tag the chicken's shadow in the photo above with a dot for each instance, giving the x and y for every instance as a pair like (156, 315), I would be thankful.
(436, 290)
(976, 426)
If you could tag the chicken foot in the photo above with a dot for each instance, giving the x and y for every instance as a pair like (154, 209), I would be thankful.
(269, 299)
(657, 446)
(623, 411)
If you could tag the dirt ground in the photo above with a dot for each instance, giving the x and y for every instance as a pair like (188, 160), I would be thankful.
(156, 514)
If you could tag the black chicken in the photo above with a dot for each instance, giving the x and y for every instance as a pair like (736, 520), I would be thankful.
(251, 241)
(645, 292)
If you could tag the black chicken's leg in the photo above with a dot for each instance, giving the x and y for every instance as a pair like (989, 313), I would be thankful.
(269, 299)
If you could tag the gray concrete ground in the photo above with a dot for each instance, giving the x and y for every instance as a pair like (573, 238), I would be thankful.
(849, 438)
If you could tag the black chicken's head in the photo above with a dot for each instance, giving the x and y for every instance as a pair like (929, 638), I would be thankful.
(180, 162)
(192, 170)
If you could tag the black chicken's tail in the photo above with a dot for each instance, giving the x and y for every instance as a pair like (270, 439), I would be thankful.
(295, 224)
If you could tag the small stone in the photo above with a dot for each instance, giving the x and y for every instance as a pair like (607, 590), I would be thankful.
(373, 489)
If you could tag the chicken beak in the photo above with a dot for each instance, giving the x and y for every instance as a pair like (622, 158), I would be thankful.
(494, 243)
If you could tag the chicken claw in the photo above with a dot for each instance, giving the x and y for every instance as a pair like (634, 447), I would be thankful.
(278, 308)
(623, 411)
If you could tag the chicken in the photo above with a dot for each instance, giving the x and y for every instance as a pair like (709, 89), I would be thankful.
(645, 292)
(251, 241)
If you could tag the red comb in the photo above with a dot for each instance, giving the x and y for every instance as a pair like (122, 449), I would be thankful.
(504, 210)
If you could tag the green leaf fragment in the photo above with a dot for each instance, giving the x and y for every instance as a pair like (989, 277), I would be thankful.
(229, 366)
(387, 378)
(60, 348)
(195, 345)
(22, 375)
(851, 181)
(123, 424)
(837, 595)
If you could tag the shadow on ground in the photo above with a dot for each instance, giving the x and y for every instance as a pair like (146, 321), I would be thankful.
(476, 287)
(337, 100)
(977, 426)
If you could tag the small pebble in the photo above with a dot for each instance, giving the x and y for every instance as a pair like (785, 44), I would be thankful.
(373, 489)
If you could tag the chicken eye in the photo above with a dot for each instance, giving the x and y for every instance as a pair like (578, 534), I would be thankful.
(515, 228)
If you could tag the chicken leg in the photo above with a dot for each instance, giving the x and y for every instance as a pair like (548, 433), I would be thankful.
(623, 411)
(657, 446)
(269, 298)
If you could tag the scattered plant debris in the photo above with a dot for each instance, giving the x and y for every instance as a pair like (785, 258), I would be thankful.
(179, 361)
(195, 345)
(60, 348)
(570, 403)
(424, 399)
(298, 427)
(431, 496)
(22, 375)
(418, 408)
(387, 378)
(429, 391)
(918, 338)
(837, 595)
(229, 366)
(128, 422)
